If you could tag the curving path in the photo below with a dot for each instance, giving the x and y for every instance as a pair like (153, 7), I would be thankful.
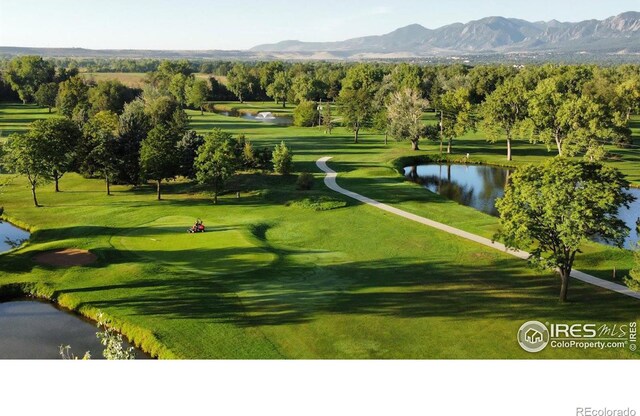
(330, 181)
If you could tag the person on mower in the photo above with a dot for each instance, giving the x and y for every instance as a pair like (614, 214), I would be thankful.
(198, 227)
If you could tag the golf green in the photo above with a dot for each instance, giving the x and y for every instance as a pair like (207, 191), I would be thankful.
(219, 250)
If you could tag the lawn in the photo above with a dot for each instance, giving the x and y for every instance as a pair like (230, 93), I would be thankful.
(276, 278)
(15, 118)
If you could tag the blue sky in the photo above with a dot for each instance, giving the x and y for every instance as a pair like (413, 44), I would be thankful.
(240, 24)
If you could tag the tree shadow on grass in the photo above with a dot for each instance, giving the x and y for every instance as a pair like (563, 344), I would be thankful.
(296, 293)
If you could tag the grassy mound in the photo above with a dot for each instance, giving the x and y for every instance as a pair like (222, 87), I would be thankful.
(322, 203)
(219, 250)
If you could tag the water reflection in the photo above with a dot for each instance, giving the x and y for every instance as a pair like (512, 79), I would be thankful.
(11, 236)
(479, 186)
(280, 121)
(35, 330)
(473, 186)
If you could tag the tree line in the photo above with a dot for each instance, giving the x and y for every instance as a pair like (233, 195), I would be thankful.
(575, 109)
(147, 138)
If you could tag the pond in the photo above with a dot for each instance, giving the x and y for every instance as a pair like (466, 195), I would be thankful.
(261, 117)
(280, 121)
(479, 186)
(34, 330)
(11, 236)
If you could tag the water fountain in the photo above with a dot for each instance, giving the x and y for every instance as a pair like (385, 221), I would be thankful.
(267, 115)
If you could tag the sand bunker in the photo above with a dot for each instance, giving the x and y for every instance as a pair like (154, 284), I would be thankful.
(66, 258)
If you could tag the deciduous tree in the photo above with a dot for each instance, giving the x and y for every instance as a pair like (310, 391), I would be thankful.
(240, 81)
(306, 114)
(216, 161)
(158, 159)
(356, 109)
(279, 88)
(72, 96)
(46, 95)
(504, 111)
(457, 117)
(198, 94)
(405, 112)
(25, 154)
(133, 126)
(99, 150)
(555, 207)
(25, 74)
(109, 95)
(61, 136)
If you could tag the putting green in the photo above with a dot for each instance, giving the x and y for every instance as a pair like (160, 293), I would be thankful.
(218, 250)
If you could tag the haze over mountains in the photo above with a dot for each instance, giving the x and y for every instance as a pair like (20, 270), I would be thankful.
(617, 34)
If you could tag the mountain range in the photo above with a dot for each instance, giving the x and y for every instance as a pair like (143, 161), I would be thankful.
(492, 39)
(617, 34)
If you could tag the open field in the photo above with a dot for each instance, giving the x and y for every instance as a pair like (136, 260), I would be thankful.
(276, 278)
(130, 79)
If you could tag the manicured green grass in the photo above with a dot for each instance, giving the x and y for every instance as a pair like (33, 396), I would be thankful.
(15, 118)
(278, 278)
(164, 241)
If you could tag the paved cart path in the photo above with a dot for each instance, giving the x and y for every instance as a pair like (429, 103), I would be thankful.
(330, 181)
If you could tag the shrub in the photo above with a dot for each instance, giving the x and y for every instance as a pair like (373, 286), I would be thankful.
(306, 114)
(305, 181)
(322, 203)
(633, 280)
(209, 107)
(282, 159)
(248, 156)
(262, 158)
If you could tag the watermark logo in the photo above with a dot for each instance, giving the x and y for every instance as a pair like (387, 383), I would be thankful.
(533, 336)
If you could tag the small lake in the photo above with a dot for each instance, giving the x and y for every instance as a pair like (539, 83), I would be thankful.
(280, 121)
(11, 236)
(479, 186)
(34, 330)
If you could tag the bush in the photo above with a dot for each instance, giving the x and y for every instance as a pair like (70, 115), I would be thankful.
(633, 280)
(305, 181)
(248, 156)
(322, 203)
(306, 114)
(282, 159)
(209, 107)
(262, 158)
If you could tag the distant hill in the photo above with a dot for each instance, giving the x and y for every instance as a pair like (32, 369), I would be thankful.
(492, 39)
(119, 53)
(617, 34)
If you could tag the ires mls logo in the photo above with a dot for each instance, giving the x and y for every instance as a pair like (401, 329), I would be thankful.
(534, 336)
